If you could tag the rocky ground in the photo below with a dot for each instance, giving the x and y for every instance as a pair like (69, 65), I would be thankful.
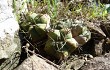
(68, 36)
(92, 54)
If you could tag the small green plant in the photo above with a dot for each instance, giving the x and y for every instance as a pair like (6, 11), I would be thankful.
(14, 5)
(89, 12)
(18, 6)
(98, 11)
(52, 8)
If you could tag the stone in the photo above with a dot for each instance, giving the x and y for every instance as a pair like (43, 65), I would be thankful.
(97, 40)
(73, 63)
(98, 63)
(36, 63)
(10, 47)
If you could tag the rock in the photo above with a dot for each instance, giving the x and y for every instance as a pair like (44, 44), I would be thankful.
(96, 30)
(10, 47)
(98, 63)
(10, 55)
(77, 64)
(73, 63)
(100, 35)
(97, 38)
(98, 48)
(36, 63)
(105, 26)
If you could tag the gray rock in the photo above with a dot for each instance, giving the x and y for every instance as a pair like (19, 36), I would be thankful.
(74, 63)
(36, 63)
(98, 63)
(10, 47)
(13, 55)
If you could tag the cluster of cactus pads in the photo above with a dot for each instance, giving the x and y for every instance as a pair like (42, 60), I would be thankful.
(64, 36)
